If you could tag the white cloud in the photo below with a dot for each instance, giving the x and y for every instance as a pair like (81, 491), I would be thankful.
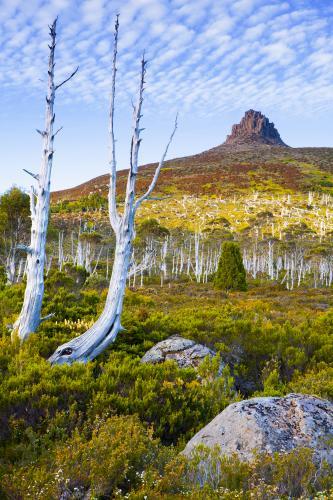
(209, 54)
(279, 52)
(103, 47)
(92, 11)
(255, 32)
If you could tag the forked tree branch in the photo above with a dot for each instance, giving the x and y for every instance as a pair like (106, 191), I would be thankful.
(158, 168)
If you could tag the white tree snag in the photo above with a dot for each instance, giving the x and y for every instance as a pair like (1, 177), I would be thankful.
(30, 316)
(113, 213)
(105, 330)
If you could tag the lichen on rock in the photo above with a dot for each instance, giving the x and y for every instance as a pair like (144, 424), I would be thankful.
(270, 424)
(186, 352)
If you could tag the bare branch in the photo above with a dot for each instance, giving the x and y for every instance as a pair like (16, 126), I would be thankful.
(137, 118)
(135, 146)
(57, 132)
(158, 168)
(35, 176)
(41, 132)
(48, 316)
(113, 213)
(158, 198)
(67, 79)
(24, 248)
(52, 29)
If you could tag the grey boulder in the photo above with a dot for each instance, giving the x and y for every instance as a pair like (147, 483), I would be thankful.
(185, 352)
(268, 425)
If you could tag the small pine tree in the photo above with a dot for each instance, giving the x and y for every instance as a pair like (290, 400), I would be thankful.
(230, 273)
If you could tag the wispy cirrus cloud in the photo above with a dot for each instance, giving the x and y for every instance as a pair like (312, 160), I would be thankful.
(206, 55)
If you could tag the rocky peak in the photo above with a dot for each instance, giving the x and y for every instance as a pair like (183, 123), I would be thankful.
(253, 129)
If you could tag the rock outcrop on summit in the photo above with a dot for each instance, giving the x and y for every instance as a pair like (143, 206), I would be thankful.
(254, 129)
(270, 424)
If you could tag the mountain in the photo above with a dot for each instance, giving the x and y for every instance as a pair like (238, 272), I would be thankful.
(225, 170)
(253, 157)
(253, 129)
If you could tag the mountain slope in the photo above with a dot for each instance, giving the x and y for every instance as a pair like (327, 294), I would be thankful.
(253, 157)
(253, 182)
(227, 170)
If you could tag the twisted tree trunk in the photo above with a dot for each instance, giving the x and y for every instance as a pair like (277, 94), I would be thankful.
(105, 330)
(30, 316)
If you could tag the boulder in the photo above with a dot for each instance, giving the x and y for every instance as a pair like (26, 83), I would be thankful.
(186, 353)
(270, 424)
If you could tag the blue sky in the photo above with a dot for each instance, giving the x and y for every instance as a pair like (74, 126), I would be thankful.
(211, 60)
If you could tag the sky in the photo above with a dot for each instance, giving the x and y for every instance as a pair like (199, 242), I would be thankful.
(209, 60)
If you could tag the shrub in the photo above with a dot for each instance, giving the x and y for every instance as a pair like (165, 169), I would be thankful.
(107, 457)
(52, 418)
(230, 273)
(293, 474)
(317, 382)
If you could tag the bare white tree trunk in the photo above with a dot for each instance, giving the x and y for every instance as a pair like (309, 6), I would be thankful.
(10, 265)
(79, 260)
(104, 331)
(163, 266)
(60, 250)
(49, 264)
(88, 257)
(20, 270)
(30, 316)
(97, 260)
(11, 258)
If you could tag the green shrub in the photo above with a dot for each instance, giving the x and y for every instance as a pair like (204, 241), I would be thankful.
(109, 456)
(50, 417)
(230, 274)
(318, 381)
(293, 474)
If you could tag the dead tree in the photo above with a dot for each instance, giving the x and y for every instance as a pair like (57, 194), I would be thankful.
(30, 316)
(104, 331)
